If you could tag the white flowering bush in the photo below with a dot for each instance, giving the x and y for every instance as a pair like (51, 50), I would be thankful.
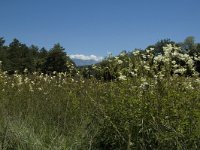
(173, 61)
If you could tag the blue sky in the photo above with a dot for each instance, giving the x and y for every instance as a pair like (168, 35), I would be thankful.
(98, 26)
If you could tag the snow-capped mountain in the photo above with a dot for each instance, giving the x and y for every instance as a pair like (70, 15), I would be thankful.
(82, 60)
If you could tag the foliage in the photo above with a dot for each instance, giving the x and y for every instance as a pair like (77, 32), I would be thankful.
(18, 57)
(56, 60)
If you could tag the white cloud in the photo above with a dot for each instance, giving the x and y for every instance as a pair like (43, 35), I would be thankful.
(86, 57)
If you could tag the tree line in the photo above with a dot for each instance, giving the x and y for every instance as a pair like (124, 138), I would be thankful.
(19, 57)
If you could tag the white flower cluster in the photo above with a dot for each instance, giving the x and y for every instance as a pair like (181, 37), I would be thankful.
(172, 58)
(122, 77)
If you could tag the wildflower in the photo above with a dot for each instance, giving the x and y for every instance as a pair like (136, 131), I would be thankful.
(25, 70)
(122, 54)
(166, 60)
(40, 89)
(121, 77)
(30, 88)
(119, 62)
(78, 72)
(32, 82)
(116, 58)
(143, 79)
(94, 67)
(44, 78)
(188, 85)
(180, 70)
(146, 67)
(184, 57)
(144, 85)
(26, 79)
(144, 56)
(173, 62)
(197, 58)
(160, 75)
(151, 49)
(175, 53)
(0, 64)
(5, 72)
(19, 80)
(130, 65)
(12, 85)
(155, 76)
(133, 74)
(167, 49)
(135, 53)
(175, 66)
(148, 56)
(34, 73)
(148, 51)
(195, 74)
(158, 58)
(190, 63)
(197, 81)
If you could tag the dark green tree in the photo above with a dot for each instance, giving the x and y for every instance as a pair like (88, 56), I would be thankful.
(197, 53)
(41, 59)
(2, 41)
(188, 44)
(3, 53)
(19, 57)
(56, 60)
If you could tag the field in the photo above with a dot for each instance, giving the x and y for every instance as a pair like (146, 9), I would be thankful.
(149, 109)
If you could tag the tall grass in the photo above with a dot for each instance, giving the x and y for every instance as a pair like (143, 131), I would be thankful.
(67, 114)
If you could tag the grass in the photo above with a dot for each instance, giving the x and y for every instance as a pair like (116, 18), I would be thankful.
(43, 112)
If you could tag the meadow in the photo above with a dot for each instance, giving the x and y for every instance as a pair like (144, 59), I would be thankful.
(153, 102)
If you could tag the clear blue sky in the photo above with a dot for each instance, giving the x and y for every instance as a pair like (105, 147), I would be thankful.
(98, 26)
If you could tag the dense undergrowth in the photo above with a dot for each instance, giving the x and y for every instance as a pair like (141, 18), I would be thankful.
(151, 104)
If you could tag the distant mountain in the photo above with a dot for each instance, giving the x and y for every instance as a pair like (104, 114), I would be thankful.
(80, 62)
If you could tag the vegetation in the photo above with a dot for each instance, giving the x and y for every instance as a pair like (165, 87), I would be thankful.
(18, 57)
(138, 100)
